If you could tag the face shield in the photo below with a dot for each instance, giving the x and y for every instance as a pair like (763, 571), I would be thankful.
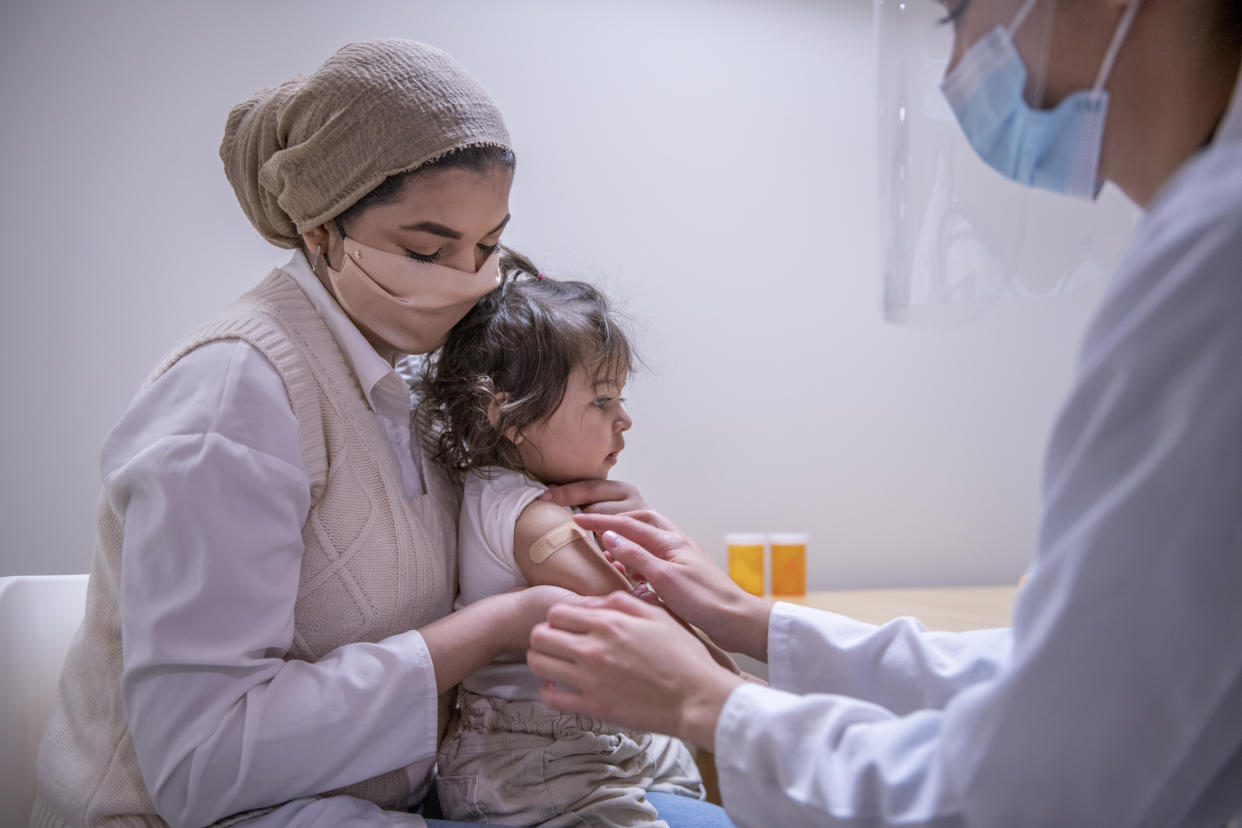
(957, 235)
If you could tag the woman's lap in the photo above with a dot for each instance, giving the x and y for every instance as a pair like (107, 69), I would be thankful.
(337, 811)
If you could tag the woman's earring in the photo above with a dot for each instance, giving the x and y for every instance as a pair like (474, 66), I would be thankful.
(315, 264)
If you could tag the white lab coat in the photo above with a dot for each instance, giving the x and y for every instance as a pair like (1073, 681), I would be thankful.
(1117, 698)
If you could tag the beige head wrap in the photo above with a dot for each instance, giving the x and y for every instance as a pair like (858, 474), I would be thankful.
(303, 152)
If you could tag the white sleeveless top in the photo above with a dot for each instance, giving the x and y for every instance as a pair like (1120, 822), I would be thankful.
(492, 500)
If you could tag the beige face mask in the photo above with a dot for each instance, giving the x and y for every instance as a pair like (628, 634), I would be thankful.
(408, 304)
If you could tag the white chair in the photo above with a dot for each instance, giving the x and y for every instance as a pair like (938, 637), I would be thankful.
(38, 616)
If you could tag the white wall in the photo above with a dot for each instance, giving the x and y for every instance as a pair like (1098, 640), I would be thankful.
(711, 163)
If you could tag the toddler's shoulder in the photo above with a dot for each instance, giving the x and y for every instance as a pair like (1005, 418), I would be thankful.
(498, 493)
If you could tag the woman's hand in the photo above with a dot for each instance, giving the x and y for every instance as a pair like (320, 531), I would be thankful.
(597, 497)
(463, 641)
(531, 607)
(654, 551)
(626, 661)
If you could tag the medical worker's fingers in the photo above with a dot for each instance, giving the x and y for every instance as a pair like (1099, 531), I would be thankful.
(655, 519)
(650, 607)
(670, 562)
(648, 521)
(568, 622)
(635, 560)
(640, 564)
(623, 601)
(608, 497)
(650, 518)
(686, 579)
(634, 665)
(555, 652)
(718, 655)
(617, 565)
(533, 606)
(638, 527)
(575, 618)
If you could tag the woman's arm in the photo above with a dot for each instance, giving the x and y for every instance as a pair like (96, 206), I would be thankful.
(474, 635)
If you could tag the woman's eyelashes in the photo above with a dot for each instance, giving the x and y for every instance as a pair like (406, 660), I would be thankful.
(432, 258)
(604, 402)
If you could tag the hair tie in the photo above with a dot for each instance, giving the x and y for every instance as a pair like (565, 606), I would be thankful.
(539, 276)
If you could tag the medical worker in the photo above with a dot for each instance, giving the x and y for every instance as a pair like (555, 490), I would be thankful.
(1116, 697)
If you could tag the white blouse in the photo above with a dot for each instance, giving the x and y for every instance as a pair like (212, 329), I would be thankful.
(210, 456)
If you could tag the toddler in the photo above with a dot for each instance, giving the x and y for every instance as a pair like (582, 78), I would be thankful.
(526, 393)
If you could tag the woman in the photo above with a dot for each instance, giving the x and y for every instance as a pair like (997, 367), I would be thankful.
(268, 618)
(1116, 699)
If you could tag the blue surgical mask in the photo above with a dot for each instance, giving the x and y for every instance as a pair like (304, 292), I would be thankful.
(1053, 149)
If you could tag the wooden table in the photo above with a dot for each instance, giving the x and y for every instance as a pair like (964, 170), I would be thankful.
(939, 608)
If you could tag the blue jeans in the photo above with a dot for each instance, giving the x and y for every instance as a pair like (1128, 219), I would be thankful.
(677, 811)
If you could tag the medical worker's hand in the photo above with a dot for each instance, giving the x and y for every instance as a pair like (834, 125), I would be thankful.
(624, 660)
(654, 551)
(603, 497)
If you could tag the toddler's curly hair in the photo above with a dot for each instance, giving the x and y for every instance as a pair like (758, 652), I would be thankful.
(522, 340)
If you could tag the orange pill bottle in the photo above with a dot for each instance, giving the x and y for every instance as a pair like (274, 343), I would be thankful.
(746, 560)
(788, 563)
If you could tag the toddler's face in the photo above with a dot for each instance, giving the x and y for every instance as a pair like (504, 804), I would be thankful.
(583, 436)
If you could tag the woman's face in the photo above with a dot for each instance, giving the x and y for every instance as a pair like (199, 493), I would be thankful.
(452, 216)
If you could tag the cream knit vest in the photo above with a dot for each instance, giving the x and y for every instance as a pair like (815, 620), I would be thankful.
(375, 564)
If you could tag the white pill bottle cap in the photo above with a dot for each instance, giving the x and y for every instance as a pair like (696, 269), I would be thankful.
(745, 539)
(788, 538)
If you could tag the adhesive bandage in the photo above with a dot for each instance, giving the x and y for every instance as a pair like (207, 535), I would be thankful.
(556, 539)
